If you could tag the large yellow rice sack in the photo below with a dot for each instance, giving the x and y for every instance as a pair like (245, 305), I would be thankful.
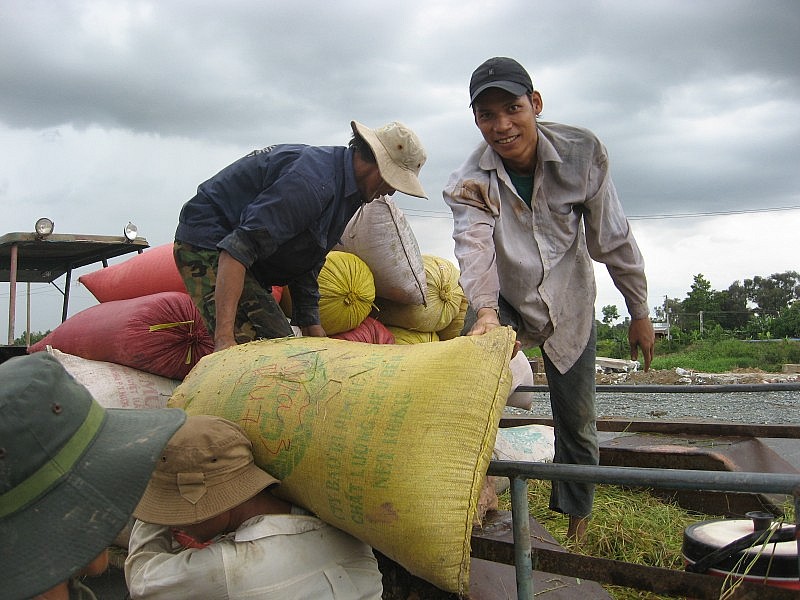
(442, 300)
(376, 439)
(346, 292)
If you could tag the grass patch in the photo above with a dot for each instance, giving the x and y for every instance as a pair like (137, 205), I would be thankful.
(651, 535)
(718, 356)
(711, 355)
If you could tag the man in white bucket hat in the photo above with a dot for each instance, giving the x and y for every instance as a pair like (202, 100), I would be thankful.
(270, 219)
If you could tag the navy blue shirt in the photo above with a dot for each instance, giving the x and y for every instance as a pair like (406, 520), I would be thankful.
(278, 211)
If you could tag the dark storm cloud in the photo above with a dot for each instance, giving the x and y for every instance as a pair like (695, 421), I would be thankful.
(115, 110)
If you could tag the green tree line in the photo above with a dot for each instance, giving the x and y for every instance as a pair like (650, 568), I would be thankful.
(757, 308)
(760, 308)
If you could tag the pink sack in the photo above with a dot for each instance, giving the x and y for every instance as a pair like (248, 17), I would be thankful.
(160, 333)
(370, 331)
(150, 272)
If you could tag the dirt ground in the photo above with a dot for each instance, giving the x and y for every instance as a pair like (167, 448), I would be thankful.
(685, 377)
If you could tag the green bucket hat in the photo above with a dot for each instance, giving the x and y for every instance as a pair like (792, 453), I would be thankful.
(71, 472)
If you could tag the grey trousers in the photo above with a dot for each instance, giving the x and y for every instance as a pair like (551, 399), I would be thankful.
(572, 401)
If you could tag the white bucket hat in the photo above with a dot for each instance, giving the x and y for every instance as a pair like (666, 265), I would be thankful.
(399, 154)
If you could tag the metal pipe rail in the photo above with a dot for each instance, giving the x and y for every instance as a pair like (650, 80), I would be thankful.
(710, 388)
(693, 428)
(720, 481)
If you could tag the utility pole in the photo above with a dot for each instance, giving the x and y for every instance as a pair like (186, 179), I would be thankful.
(666, 317)
(701, 322)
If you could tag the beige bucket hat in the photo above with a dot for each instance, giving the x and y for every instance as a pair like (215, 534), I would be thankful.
(206, 468)
(399, 154)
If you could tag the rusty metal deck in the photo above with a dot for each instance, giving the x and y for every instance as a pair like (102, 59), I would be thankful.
(709, 446)
(489, 579)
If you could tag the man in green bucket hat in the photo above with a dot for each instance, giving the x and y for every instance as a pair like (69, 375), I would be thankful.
(71, 474)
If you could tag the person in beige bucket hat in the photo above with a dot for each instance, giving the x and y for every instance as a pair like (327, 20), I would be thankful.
(209, 526)
(270, 219)
(206, 469)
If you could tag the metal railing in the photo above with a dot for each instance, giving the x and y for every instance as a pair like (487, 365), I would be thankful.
(719, 481)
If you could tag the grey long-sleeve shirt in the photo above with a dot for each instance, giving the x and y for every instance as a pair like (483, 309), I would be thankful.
(540, 258)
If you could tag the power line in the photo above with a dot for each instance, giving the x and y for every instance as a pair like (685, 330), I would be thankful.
(434, 214)
(712, 214)
(42, 291)
(429, 214)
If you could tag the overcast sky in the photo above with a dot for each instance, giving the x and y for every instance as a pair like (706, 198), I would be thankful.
(115, 111)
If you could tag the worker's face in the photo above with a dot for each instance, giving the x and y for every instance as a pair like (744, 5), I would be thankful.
(508, 124)
(376, 186)
(384, 190)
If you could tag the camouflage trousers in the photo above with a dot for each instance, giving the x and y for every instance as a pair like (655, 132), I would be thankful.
(258, 315)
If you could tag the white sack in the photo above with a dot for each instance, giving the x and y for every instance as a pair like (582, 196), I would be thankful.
(380, 236)
(117, 386)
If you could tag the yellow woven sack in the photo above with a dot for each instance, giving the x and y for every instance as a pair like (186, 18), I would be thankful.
(406, 336)
(442, 300)
(457, 324)
(390, 443)
(346, 292)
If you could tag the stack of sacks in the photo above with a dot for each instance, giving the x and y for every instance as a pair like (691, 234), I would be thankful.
(377, 271)
(444, 308)
(378, 258)
(145, 319)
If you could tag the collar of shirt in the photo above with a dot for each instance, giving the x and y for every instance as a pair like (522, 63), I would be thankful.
(350, 186)
(262, 526)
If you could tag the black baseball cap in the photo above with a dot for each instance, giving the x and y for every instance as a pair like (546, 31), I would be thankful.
(500, 72)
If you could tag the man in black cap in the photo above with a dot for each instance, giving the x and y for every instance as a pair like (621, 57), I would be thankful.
(71, 473)
(532, 206)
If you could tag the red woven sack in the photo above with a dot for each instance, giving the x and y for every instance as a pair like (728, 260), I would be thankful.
(161, 334)
(370, 331)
